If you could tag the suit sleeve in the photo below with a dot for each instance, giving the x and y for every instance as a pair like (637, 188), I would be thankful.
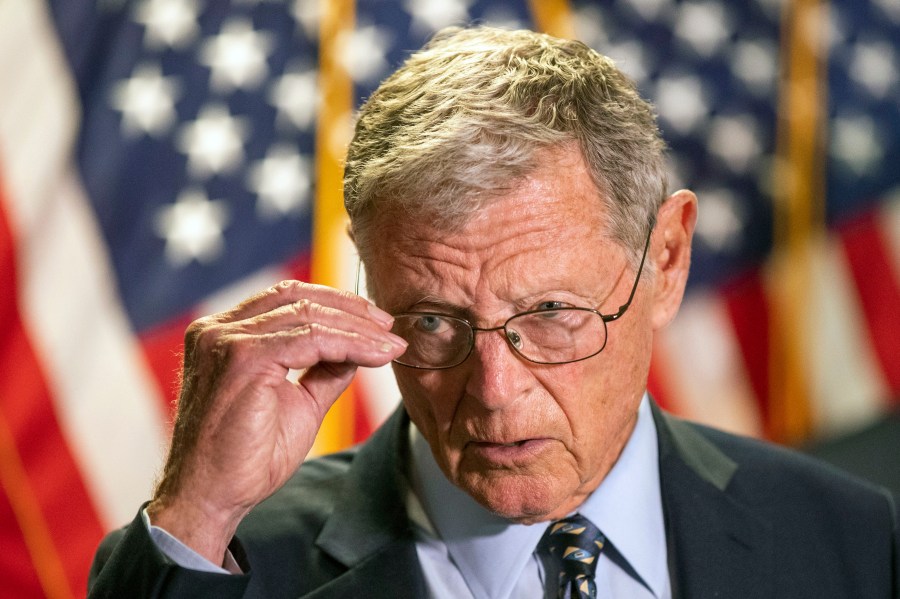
(129, 564)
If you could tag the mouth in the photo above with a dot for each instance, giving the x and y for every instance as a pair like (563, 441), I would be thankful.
(513, 444)
(507, 454)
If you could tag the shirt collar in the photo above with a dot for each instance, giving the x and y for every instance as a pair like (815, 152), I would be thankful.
(491, 552)
(627, 506)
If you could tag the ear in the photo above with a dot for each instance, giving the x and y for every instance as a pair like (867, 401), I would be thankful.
(670, 250)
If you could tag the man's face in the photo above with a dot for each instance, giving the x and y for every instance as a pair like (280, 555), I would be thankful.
(528, 441)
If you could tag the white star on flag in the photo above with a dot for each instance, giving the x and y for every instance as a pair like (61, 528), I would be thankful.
(430, 15)
(147, 101)
(874, 66)
(719, 224)
(702, 26)
(308, 13)
(169, 23)
(734, 140)
(856, 143)
(755, 63)
(214, 143)
(362, 52)
(590, 27)
(679, 100)
(282, 181)
(631, 58)
(192, 228)
(237, 56)
(295, 95)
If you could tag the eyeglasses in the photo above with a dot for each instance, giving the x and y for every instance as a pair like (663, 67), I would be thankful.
(554, 336)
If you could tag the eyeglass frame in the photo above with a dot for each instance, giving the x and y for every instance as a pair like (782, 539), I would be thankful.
(606, 318)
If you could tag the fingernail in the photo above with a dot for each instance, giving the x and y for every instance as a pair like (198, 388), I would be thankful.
(397, 340)
(380, 315)
(392, 344)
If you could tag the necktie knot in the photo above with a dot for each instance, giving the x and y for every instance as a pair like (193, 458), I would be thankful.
(574, 545)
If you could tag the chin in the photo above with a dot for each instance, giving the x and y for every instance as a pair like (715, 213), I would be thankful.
(520, 498)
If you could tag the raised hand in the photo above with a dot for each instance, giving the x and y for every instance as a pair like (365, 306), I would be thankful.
(242, 428)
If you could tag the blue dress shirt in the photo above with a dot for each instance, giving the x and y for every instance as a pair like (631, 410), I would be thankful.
(466, 551)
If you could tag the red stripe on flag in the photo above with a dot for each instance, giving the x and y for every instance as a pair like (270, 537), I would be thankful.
(748, 309)
(656, 381)
(52, 505)
(878, 290)
(19, 577)
(362, 417)
(298, 267)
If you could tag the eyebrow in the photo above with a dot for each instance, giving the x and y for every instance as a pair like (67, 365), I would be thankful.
(431, 303)
(436, 305)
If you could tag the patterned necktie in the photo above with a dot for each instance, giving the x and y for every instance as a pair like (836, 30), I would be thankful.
(573, 545)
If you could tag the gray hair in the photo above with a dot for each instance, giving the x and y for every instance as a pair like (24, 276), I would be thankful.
(462, 119)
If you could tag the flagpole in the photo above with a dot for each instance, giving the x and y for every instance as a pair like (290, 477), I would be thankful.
(553, 17)
(798, 194)
(330, 244)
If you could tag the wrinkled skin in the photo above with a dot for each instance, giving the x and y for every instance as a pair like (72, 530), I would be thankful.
(529, 441)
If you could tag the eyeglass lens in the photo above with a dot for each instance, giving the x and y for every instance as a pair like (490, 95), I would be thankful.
(549, 337)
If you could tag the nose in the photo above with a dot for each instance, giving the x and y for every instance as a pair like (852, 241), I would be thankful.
(498, 376)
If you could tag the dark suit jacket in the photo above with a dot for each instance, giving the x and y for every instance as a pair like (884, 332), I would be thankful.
(743, 520)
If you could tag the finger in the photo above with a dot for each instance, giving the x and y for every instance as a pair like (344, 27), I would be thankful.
(315, 343)
(326, 381)
(288, 292)
(301, 348)
(305, 312)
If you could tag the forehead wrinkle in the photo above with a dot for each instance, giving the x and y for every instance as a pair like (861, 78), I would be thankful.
(431, 273)
(501, 258)
(478, 270)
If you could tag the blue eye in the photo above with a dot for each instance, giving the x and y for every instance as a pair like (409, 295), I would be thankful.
(550, 305)
(430, 323)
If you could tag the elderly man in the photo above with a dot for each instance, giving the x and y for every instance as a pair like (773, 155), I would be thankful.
(508, 199)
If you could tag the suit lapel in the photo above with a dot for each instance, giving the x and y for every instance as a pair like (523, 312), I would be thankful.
(717, 546)
(390, 573)
(369, 531)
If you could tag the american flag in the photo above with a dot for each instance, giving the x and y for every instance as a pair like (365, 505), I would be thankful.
(162, 159)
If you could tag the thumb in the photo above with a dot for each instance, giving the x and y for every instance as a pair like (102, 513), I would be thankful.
(325, 381)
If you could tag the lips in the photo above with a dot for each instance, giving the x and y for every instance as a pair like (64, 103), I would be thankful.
(513, 444)
(514, 453)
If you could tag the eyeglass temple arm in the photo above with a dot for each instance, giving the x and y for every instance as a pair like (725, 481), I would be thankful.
(624, 307)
